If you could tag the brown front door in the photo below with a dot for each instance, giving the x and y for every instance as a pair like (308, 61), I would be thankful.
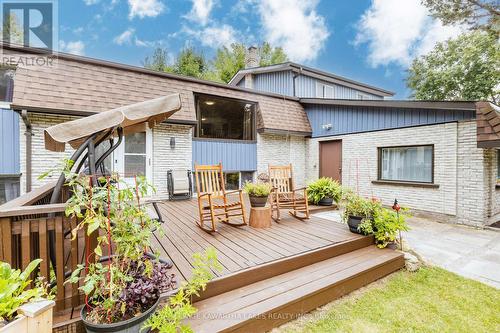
(330, 159)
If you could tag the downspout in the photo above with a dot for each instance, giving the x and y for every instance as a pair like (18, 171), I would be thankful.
(28, 133)
(295, 75)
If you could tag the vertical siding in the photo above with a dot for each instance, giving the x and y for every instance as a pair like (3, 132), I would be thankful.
(9, 144)
(276, 82)
(345, 119)
(234, 156)
(305, 87)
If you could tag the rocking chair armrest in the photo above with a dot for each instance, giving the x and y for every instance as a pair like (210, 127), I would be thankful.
(299, 189)
(204, 195)
(233, 192)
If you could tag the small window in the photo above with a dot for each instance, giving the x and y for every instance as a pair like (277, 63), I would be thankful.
(6, 84)
(408, 164)
(324, 90)
(9, 188)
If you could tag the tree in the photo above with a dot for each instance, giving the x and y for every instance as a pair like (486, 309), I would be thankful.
(270, 55)
(478, 14)
(465, 68)
(12, 29)
(188, 62)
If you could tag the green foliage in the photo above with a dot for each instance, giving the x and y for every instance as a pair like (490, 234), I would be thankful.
(225, 64)
(324, 187)
(130, 231)
(169, 319)
(465, 68)
(13, 29)
(361, 207)
(13, 289)
(477, 14)
(257, 189)
(385, 225)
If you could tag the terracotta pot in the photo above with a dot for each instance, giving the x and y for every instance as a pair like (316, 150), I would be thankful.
(258, 201)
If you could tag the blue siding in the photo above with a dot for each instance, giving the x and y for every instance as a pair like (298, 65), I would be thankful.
(234, 156)
(241, 84)
(9, 144)
(305, 87)
(346, 120)
(277, 82)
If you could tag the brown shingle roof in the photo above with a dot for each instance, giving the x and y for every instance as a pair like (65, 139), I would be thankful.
(82, 85)
(488, 125)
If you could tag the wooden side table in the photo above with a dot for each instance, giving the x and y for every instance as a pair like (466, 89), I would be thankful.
(260, 217)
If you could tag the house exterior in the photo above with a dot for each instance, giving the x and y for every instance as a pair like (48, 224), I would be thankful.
(425, 154)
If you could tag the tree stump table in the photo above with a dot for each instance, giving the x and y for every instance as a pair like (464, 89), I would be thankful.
(260, 217)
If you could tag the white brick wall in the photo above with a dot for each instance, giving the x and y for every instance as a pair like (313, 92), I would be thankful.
(165, 158)
(282, 150)
(463, 172)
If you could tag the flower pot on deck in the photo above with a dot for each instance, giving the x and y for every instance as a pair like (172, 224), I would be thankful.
(258, 201)
(132, 325)
(326, 201)
(353, 222)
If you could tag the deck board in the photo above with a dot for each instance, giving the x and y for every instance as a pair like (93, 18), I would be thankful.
(240, 248)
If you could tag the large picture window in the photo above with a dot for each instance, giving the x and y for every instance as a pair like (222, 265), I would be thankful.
(223, 118)
(407, 164)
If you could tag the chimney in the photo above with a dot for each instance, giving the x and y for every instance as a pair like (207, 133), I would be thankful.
(252, 57)
(251, 60)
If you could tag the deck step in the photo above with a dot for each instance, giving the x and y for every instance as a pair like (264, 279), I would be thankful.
(263, 305)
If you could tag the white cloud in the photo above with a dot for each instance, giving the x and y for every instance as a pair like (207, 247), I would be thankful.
(200, 12)
(145, 8)
(294, 25)
(214, 36)
(90, 2)
(125, 37)
(398, 30)
(76, 47)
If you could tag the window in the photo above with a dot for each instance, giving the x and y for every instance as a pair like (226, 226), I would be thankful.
(135, 154)
(236, 180)
(9, 188)
(324, 90)
(409, 164)
(6, 84)
(223, 118)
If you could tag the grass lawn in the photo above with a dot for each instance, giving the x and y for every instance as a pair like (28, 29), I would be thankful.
(430, 300)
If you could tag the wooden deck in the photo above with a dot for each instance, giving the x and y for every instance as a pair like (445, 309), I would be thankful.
(243, 247)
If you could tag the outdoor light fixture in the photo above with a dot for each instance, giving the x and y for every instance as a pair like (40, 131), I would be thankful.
(172, 142)
(209, 102)
(327, 127)
(203, 119)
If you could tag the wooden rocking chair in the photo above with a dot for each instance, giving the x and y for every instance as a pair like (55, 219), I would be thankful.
(285, 195)
(213, 202)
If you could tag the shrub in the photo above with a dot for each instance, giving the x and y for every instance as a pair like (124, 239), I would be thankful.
(257, 189)
(324, 188)
(385, 225)
(361, 207)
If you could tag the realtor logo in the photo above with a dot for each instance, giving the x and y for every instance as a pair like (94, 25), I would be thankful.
(30, 23)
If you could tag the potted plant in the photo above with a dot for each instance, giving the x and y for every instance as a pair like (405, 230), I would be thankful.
(386, 225)
(324, 191)
(123, 286)
(14, 295)
(258, 193)
(357, 210)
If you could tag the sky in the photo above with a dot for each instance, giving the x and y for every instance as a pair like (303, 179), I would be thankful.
(369, 41)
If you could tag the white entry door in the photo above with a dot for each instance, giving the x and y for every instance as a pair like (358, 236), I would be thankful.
(133, 156)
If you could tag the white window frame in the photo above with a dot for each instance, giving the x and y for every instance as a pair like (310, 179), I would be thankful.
(321, 89)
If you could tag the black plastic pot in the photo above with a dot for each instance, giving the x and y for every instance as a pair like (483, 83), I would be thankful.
(325, 202)
(258, 201)
(353, 222)
(132, 325)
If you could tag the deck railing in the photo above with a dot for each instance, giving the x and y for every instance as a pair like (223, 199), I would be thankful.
(29, 232)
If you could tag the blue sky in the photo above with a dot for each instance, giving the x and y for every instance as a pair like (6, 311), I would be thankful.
(370, 41)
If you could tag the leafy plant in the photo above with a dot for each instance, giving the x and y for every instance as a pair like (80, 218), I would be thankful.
(386, 225)
(169, 318)
(257, 189)
(128, 282)
(324, 187)
(13, 292)
(361, 207)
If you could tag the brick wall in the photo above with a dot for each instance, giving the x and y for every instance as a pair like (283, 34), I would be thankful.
(466, 175)
(165, 158)
(281, 150)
